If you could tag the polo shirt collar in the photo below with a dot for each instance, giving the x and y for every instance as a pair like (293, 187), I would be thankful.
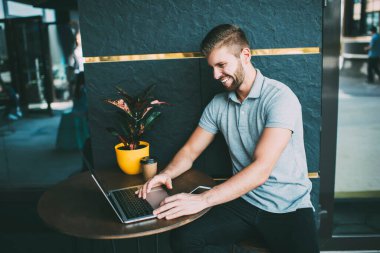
(255, 91)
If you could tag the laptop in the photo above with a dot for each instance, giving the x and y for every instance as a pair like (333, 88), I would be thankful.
(126, 204)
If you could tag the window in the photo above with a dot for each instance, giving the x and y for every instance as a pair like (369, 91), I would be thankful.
(1, 10)
(23, 10)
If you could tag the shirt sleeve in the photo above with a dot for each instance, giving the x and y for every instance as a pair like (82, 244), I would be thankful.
(284, 110)
(208, 120)
(371, 42)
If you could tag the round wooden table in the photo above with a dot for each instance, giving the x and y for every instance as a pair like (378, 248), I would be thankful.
(77, 207)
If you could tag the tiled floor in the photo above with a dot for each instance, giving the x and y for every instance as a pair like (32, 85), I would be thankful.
(28, 154)
(357, 159)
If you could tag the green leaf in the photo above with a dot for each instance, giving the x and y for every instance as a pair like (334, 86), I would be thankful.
(151, 118)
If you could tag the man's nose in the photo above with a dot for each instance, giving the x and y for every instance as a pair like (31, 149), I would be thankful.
(217, 73)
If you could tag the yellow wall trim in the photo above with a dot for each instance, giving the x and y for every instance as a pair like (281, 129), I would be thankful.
(192, 55)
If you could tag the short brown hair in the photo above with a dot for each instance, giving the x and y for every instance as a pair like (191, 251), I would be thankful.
(224, 35)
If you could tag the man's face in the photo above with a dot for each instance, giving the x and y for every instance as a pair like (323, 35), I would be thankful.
(228, 68)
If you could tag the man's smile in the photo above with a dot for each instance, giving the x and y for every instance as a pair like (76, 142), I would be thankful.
(224, 80)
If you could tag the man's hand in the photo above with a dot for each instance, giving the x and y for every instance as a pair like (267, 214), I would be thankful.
(181, 162)
(157, 180)
(180, 204)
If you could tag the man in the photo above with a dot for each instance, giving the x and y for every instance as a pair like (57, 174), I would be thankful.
(269, 194)
(373, 55)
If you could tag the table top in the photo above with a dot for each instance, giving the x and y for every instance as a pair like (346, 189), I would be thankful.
(77, 207)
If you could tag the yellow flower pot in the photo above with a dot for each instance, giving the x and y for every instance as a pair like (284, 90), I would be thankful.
(129, 160)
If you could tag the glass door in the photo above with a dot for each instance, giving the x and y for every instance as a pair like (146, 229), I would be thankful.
(5, 74)
(357, 169)
(350, 189)
(29, 60)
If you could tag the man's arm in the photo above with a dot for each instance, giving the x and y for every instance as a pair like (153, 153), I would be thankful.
(182, 161)
(185, 157)
(268, 150)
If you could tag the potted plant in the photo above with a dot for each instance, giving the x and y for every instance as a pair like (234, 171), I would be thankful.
(135, 115)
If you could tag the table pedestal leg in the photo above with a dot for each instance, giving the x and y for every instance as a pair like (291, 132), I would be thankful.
(113, 246)
(138, 245)
(156, 237)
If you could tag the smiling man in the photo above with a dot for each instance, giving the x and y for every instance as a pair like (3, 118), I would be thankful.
(268, 195)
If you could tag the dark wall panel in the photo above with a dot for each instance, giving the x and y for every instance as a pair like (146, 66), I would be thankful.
(138, 27)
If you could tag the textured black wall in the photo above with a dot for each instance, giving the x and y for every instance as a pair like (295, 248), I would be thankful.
(147, 27)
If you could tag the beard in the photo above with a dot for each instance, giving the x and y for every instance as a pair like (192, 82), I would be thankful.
(237, 78)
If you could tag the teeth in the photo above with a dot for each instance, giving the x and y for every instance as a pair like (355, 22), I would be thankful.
(224, 80)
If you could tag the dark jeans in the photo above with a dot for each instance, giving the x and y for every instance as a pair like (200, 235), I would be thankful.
(373, 66)
(238, 220)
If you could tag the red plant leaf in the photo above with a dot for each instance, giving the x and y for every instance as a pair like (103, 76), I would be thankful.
(120, 104)
(156, 102)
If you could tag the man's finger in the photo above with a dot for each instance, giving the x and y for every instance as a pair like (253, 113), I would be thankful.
(169, 212)
(173, 198)
(168, 183)
(166, 207)
(143, 193)
(145, 190)
(138, 191)
(149, 187)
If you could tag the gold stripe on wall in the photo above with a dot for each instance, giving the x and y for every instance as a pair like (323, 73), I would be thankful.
(192, 55)
(285, 51)
(313, 175)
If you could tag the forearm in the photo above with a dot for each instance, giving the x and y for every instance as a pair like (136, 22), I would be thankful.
(246, 180)
(181, 162)
(185, 157)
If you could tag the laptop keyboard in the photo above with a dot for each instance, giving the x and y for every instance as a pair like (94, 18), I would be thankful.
(131, 204)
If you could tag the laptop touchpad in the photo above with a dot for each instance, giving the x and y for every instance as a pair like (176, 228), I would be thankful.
(155, 196)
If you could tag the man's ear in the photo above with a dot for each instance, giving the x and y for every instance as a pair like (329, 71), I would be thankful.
(246, 55)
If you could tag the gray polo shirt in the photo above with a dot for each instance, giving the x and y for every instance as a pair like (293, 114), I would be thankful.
(269, 104)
